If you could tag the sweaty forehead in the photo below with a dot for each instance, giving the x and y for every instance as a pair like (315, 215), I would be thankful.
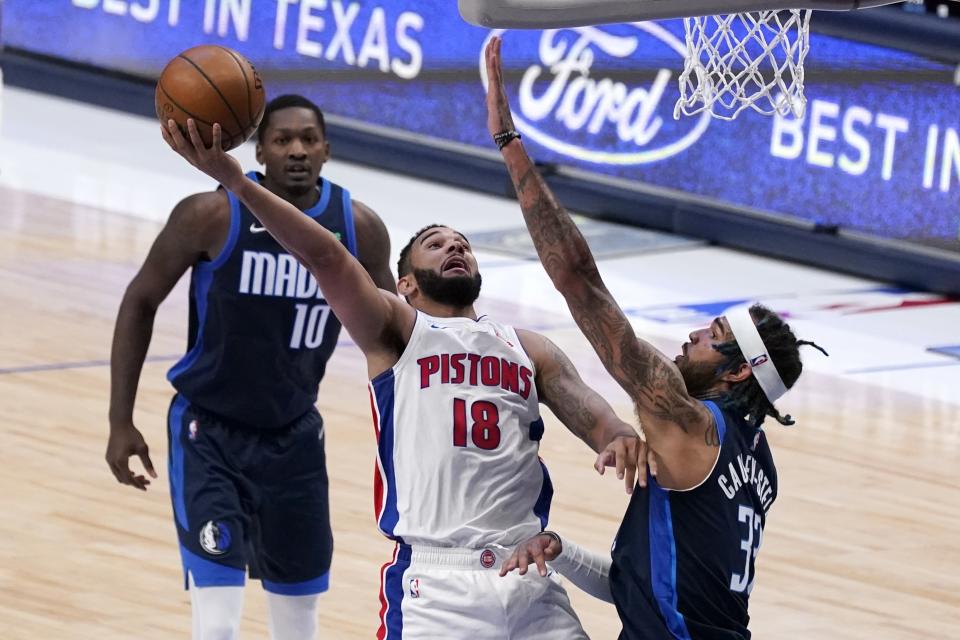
(442, 231)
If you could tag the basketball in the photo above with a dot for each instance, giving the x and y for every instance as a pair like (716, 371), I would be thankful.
(211, 84)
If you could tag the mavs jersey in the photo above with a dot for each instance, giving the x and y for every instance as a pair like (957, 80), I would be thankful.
(458, 430)
(260, 330)
(683, 561)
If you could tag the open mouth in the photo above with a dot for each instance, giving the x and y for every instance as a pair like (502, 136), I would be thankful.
(455, 265)
(297, 171)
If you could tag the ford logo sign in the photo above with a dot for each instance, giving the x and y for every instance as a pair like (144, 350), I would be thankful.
(567, 105)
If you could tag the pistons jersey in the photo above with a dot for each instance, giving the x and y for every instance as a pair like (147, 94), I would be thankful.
(458, 430)
(261, 331)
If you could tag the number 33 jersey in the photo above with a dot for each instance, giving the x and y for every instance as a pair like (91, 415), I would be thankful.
(684, 561)
(458, 430)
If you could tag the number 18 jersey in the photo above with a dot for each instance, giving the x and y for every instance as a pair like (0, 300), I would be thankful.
(458, 430)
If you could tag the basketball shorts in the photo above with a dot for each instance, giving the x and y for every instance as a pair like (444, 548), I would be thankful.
(246, 498)
(441, 593)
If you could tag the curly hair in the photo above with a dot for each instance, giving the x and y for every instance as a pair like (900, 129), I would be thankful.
(746, 398)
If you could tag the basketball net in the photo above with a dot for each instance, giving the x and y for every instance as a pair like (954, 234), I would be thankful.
(743, 60)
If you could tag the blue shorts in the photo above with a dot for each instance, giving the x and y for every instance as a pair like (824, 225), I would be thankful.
(250, 498)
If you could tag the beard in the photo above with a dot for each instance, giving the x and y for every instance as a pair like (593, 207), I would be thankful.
(699, 377)
(456, 291)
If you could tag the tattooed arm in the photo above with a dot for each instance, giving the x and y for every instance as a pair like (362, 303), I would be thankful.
(582, 410)
(679, 429)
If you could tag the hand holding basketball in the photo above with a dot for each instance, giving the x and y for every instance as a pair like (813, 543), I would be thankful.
(212, 84)
(212, 160)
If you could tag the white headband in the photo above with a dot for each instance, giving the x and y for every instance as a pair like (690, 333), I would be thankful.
(754, 351)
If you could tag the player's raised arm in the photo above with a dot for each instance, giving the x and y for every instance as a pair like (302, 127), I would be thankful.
(667, 412)
(369, 314)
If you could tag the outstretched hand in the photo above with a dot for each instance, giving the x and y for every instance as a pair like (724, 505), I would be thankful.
(212, 160)
(540, 549)
(498, 108)
(631, 456)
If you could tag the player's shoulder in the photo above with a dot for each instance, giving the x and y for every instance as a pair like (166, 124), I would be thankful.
(364, 215)
(204, 218)
(536, 345)
(372, 236)
(202, 209)
(204, 203)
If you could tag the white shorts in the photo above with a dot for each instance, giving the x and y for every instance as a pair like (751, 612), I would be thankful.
(448, 594)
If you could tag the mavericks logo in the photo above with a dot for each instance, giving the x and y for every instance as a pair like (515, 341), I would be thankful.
(572, 109)
(215, 538)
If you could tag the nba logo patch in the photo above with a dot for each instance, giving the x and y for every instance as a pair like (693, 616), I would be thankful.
(759, 360)
(414, 587)
(192, 430)
(487, 559)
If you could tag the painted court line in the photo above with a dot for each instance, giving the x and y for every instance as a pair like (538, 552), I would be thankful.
(903, 367)
(83, 364)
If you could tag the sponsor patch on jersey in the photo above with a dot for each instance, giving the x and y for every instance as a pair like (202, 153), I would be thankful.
(414, 587)
(192, 430)
(487, 559)
(215, 538)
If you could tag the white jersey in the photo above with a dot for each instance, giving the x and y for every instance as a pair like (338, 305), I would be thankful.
(458, 430)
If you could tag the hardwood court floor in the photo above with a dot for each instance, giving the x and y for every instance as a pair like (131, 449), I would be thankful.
(861, 544)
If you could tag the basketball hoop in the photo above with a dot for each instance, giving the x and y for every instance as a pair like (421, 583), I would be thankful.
(745, 60)
(740, 54)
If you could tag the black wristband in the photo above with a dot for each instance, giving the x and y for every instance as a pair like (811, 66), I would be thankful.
(504, 137)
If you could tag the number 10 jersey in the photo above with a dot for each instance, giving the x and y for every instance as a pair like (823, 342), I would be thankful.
(261, 331)
(458, 430)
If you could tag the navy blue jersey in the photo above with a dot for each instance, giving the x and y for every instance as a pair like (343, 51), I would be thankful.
(260, 330)
(683, 561)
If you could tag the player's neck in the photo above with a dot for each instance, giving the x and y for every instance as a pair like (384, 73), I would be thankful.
(717, 391)
(438, 310)
(302, 201)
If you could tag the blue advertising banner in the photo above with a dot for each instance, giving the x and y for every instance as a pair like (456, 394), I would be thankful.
(878, 150)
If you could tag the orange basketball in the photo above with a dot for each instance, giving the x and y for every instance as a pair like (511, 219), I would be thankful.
(212, 84)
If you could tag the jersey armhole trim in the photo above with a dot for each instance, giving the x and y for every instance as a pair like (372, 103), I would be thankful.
(523, 349)
(721, 434)
(232, 234)
(419, 321)
(348, 224)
